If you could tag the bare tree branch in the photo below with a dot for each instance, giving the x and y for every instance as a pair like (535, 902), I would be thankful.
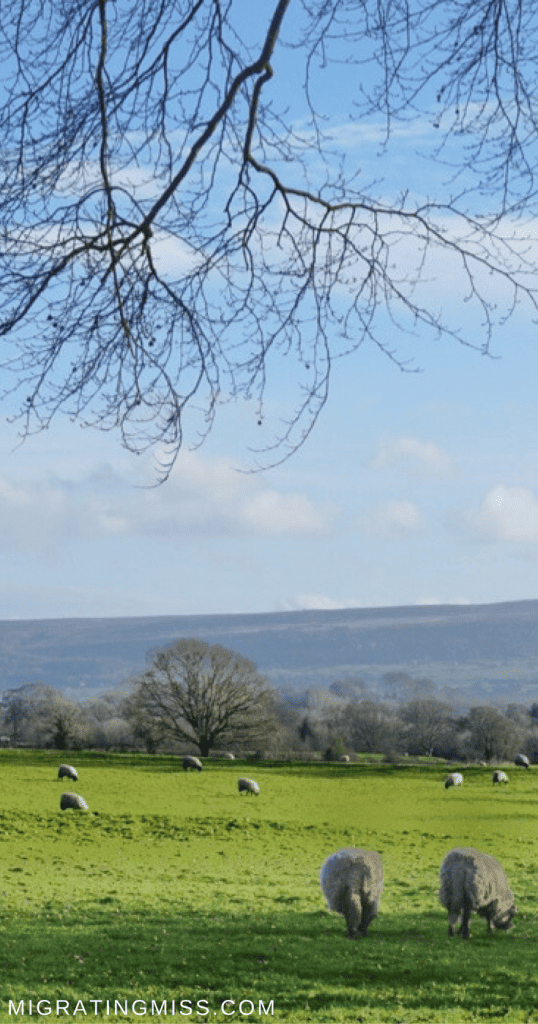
(129, 129)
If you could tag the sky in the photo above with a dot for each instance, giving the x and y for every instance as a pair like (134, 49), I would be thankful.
(413, 488)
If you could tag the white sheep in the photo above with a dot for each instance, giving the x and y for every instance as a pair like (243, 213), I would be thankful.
(499, 776)
(351, 881)
(345, 758)
(66, 771)
(72, 800)
(522, 759)
(248, 786)
(454, 779)
(228, 756)
(191, 762)
(471, 880)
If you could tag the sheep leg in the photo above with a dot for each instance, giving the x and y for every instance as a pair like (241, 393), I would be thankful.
(453, 918)
(352, 911)
(489, 914)
(368, 914)
(464, 929)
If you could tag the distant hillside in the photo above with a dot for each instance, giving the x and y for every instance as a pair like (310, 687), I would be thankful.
(483, 651)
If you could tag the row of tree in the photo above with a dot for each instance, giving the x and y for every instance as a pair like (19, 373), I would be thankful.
(196, 696)
(425, 726)
(191, 694)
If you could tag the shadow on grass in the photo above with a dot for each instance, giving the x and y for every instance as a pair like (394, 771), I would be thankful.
(172, 763)
(405, 969)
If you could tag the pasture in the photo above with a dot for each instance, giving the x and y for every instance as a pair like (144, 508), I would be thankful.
(185, 901)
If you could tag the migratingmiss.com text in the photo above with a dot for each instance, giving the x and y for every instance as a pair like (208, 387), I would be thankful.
(139, 1007)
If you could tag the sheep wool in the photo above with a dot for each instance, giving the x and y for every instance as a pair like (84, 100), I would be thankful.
(66, 771)
(475, 881)
(522, 760)
(351, 881)
(248, 786)
(499, 776)
(454, 779)
(191, 762)
(72, 800)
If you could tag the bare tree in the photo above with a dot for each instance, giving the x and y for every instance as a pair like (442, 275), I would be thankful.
(402, 688)
(349, 688)
(371, 726)
(428, 724)
(128, 128)
(205, 695)
(16, 710)
(492, 735)
(41, 715)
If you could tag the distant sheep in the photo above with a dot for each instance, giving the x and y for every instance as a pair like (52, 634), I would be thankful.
(191, 762)
(344, 757)
(454, 779)
(522, 760)
(228, 757)
(66, 771)
(351, 881)
(248, 786)
(499, 777)
(471, 880)
(72, 800)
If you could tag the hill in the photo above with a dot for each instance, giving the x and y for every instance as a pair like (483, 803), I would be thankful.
(472, 653)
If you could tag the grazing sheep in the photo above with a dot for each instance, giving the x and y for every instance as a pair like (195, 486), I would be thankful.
(344, 757)
(351, 881)
(228, 757)
(248, 786)
(191, 762)
(471, 880)
(454, 779)
(66, 771)
(499, 777)
(74, 801)
(522, 759)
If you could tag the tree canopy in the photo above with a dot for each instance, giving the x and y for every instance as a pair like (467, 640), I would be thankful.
(179, 209)
(202, 694)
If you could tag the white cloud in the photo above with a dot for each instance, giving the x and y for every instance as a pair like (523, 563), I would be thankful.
(394, 518)
(209, 497)
(270, 512)
(412, 453)
(506, 513)
(203, 498)
(437, 600)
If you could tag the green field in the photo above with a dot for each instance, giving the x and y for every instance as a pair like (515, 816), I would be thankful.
(181, 890)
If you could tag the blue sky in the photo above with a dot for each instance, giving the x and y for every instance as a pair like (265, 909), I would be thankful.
(412, 489)
(415, 488)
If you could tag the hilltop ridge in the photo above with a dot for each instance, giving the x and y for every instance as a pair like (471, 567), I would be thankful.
(491, 650)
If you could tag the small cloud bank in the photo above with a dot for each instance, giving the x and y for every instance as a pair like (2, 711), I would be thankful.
(203, 498)
(410, 453)
(505, 514)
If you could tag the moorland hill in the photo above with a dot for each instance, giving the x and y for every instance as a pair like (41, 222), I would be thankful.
(472, 653)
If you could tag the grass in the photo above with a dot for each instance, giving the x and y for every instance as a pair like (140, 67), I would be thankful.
(181, 890)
